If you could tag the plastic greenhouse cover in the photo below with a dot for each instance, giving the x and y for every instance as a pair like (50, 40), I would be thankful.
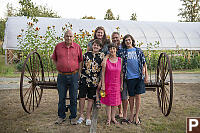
(171, 35)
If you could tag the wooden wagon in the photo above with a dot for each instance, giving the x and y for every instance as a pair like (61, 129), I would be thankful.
(33, 82)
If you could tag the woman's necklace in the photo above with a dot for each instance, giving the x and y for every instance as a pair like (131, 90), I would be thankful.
(113, 59)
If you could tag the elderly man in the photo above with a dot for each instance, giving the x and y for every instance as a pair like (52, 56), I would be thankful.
(116, 40)
(68, 57)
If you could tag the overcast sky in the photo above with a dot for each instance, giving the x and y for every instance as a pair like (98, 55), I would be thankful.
(146, 10)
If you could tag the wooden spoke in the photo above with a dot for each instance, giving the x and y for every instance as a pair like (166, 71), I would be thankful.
(28, 98)
(36, 99)
(32, 73)
(27, 91)
(165, 92)
(29, 71)
(29, 106)
(167, 89)
(28, 77)
(166, 75)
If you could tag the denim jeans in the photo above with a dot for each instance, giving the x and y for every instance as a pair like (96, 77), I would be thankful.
(65, 82)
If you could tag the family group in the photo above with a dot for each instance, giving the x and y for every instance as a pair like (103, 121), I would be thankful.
(116, 68)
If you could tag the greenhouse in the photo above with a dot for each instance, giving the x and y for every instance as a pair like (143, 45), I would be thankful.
(180, 40)
(170, 35)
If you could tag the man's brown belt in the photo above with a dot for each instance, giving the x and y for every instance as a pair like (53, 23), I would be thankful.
(68, 73)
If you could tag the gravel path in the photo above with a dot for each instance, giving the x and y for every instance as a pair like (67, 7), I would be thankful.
(13, 83)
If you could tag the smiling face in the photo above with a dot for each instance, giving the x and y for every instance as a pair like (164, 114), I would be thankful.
(113, 51)
(128, 42)
(68, 37)
(95, 47)
(116, 39)
(99, 34)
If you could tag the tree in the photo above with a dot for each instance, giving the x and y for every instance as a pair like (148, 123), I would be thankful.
(2, 28)
(10, 10)
(32, 10)
(109, 15)
(28, 9)
(86, 17)
(117, 18)
(133, 17)
(190, 11)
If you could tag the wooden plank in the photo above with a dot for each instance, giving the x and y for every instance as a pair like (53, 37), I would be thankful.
(93, 126)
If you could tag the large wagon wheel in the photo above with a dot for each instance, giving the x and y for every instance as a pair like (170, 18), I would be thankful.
(32, 73)
(165, 81)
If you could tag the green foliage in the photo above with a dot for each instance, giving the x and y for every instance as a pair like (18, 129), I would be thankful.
(117, 18)
(110, 16)
(32, 10)
(10, 10)
(133, 17)
(88, 17)
(2, 28)
(180, 59)
(28, 9)
(30, 39)
(19, 65)
(190, 11)
(6, 70)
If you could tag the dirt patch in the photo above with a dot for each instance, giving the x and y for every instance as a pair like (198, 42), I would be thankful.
(186, 103)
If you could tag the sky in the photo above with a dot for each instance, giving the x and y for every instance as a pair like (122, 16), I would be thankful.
(146, 10)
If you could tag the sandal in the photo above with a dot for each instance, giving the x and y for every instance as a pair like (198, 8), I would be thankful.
(115, 122)
(124, 121)
(139, 121)
(108, 123)
(98, 104)
(118, 117)
(132, 120)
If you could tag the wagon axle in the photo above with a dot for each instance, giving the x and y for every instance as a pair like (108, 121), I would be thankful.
(33, 82)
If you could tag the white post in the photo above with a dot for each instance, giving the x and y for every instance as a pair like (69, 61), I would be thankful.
(6, 58)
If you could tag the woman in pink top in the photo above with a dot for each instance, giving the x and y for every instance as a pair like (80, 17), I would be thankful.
(112, 83)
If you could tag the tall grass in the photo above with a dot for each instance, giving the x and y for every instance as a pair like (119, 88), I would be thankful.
(7, 70)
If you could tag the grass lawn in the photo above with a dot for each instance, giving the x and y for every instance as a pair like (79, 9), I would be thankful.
(7, 70)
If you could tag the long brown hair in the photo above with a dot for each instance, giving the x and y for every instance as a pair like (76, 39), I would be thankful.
(104, 39)
(126, 36)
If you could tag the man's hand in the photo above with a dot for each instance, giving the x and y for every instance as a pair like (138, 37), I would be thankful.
(146, 79)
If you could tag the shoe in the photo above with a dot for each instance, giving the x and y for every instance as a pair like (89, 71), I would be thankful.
(98, 104)
(80, 120)
(108, 123)
(139, 121)
(132, 121)
(88, 122)
(59, 121)
(118, 117)
(115, 122)
(73, 121)
(124, 121)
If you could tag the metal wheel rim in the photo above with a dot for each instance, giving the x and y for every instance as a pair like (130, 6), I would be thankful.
(164, 95)
(33, 93)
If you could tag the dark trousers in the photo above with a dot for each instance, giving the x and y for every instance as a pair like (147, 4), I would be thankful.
(63, 83)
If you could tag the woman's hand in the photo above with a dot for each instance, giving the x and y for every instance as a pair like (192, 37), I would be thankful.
(103, 87)
(121, 88)
(99, 86)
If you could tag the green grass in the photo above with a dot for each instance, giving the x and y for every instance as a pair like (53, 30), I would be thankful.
(187, 71)
(7, 70)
